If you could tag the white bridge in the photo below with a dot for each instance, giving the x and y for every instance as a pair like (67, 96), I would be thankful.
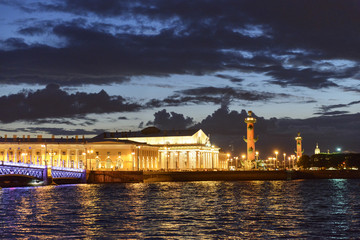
(45, 173)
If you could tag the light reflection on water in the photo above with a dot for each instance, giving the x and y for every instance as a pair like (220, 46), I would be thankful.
(194, 210)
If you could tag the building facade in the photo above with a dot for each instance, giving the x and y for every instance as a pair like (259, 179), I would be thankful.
(177, 149)
(149, 149)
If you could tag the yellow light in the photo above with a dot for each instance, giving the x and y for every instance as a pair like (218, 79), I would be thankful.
(276, 152)
(243, 156)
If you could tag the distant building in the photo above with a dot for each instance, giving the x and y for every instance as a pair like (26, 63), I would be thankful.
(178, 149)
(149, 149)
(317, 149)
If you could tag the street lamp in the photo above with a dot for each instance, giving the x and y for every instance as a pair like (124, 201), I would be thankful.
(293, 160)
(243, 158)
(284, 160)
(276, 153)
(228, 160)
(289, 162)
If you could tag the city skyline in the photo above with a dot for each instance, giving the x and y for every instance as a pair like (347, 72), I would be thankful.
(83, 67)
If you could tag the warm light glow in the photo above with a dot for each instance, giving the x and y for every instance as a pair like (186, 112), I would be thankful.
(243, 156)
(257, 153)
(276, 152)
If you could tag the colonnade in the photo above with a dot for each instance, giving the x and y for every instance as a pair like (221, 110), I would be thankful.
(42, 154)
(188, 159)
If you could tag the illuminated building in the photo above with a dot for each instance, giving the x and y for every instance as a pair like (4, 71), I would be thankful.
(299, 150)
(250, 121)
(317, 149)
(150, 149)
(178, 149)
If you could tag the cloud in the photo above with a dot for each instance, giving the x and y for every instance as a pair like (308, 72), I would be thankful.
(160, 38)
(227, 128)
(231, 78)
(172, 120)
(52, 102)
(216, 95)
(328, 109)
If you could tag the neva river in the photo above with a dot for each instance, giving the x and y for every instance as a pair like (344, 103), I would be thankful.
(305, 209)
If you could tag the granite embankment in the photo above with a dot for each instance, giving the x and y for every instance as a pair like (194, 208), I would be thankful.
(177, 176)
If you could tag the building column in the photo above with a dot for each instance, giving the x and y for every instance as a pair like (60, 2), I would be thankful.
(197, 159)
(76, 162)
(187, 159)
(67, 163)
(59, 161)
(15, 156)
(51, 157)
(6, 155)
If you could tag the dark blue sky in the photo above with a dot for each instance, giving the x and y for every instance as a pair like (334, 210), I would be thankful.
(84, 66)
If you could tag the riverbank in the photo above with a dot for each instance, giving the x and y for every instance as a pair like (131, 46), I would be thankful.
(183, 176)
(177, 176)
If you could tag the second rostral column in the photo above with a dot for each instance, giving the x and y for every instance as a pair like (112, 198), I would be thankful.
(250, 121)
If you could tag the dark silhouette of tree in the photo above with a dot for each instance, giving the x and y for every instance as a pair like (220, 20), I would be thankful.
(304, 162)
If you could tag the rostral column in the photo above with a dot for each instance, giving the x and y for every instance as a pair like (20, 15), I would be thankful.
(250, 121)
(299, 150)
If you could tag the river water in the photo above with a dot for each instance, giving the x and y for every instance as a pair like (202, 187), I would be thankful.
(301, 209)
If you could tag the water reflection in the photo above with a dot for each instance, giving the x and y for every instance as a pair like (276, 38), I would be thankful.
(193, 210)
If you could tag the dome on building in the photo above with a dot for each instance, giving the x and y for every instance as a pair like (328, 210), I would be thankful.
(317, 149)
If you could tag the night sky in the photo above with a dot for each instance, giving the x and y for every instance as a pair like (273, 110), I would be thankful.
(77, 67)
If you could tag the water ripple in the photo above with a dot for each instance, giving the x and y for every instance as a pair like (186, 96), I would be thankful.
(194, 210)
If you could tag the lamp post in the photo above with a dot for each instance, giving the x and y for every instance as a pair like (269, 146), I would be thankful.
(243, 159)
(289, 162)
(276, 153)
(293, 161)
(284, 160)
(256, 159)
(228, 160)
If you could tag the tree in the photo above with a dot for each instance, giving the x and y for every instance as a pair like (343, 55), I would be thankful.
(304, 162)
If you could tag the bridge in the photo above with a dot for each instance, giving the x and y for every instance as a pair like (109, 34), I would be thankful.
(24, 174)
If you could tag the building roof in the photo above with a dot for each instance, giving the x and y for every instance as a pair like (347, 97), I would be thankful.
(147, 132)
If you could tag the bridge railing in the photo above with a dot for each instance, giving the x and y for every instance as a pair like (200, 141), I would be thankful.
(20, 164)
